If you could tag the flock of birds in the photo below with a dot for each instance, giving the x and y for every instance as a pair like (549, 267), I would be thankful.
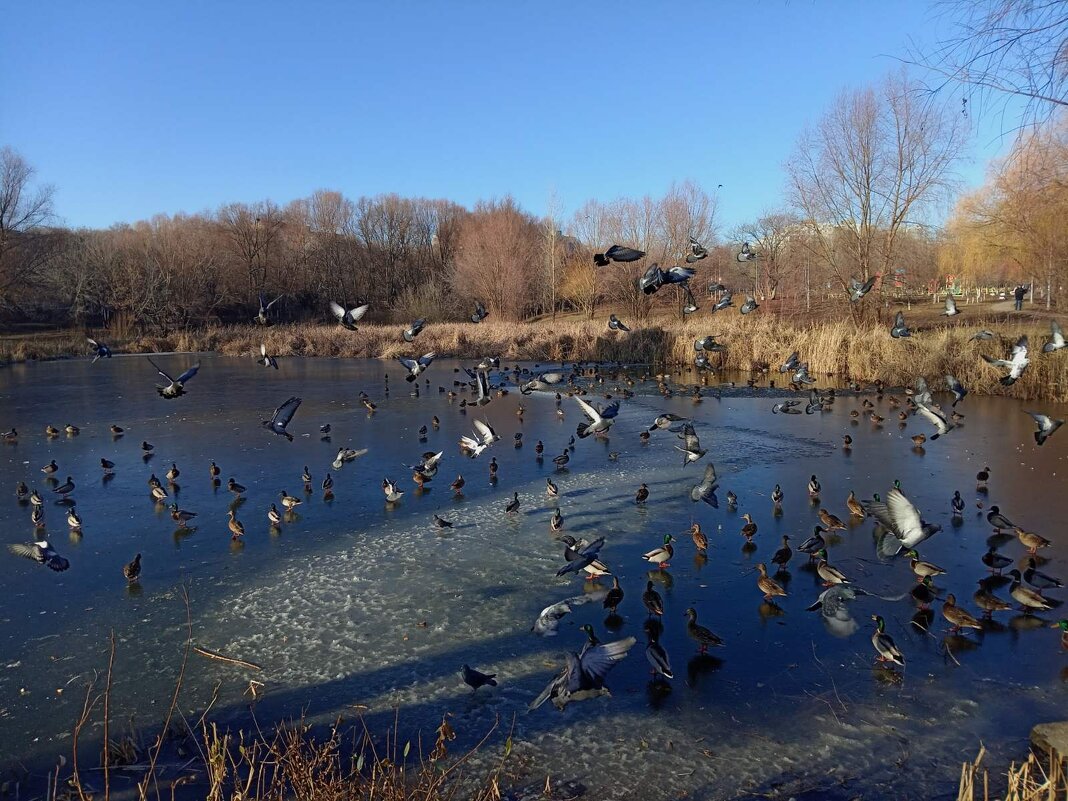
(901, 528)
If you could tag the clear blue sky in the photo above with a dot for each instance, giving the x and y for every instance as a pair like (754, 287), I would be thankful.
(131, 109)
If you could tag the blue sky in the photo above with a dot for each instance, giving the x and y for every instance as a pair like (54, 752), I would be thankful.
(131, 109)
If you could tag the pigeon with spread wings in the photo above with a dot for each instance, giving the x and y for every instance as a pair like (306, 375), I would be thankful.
(175, 387)
(281, 417)
(348, 317)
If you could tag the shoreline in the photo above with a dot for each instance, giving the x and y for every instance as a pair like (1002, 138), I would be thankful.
(834, 348)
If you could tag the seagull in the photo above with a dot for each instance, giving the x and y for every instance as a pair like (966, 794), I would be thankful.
(176, 386)
(416, 366)
(261, 316)
(597, 424)
(480, 313)
(692, 450)
(616, 324)
(40, 551)
(483, 438)
(951, 307)
(1047, 426)
(102, 351)
(745, 254)
(1017, 361)
(265, 359)
(281, 417)
(898, 515)
(899, 328)
(411, 332)
(1056, 338)
(348, 317)
(583, 676)
(858, 289)
(617, 253)
(957, 388)
(550, 616)
(750, 305)
(706, 489)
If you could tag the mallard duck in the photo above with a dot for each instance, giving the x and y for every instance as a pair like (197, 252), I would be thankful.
(458, 485)
(776, 495)
(51, 431)
(153, 481)
(306, 476)
(539, 449)
(661, 556)
(158, 494)
(289, 501)
(493, 467)
(551, 489)
(1038, 579)
(998, 520)
(147, 447)
(72, 429)
(957, 505)
(769, 586)
(699, 538)
(995, 561)
(180, 516)
(274, 516)
(782, 556)
(814, 544)
(847, 442)
(36, 499)
(830, 575)
(614, 597)
(830, 522)
(701, 635)
(989, 602)
(923, 569)
(958, 617)
(21, 491)
(37, 517)
(854, 506)
(513, 505)
(1027, 598)
(854, 414)
(655, 653)
(173, 473)
(1063, 626)
(234, 487)
(732, 499)
(749, 530)
(642, 495)
(106, 465)
(556, 522)
(237, 530)
(132, 570)
(652, 601)
(814, 487)
(50, 468)
(328, 483)
(918, 440)
(73, 520)
(116, 431)
(876, 419)
(981, 479)
(213, 470)
(562, 460)
(885, 648)
(1030, 540)
(923, 593)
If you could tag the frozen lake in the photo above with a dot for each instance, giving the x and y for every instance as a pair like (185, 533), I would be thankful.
(357, 603)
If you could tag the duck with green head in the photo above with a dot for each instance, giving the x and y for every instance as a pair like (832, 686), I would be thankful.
(661, 556)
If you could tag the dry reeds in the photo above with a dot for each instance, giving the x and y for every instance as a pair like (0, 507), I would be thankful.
(831, 347)
(1028, 781)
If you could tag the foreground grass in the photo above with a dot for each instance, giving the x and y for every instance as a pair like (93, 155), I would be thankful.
(755, 342)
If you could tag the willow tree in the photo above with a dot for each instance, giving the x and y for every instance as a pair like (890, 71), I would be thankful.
(870, 169)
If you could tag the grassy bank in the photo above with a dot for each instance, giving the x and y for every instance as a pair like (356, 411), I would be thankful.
(835, 347)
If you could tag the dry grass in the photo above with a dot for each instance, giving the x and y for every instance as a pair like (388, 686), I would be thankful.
(1028, 781)
(835, 347)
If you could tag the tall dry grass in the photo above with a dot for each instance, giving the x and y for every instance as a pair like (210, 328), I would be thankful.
(1031, 780)
(835, 347)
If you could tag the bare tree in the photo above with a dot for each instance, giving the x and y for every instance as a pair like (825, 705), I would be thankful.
(773, 236)
(868, 171)
(24, 210)
(1006, 48)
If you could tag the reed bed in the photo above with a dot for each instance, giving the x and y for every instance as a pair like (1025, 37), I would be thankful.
(840, 348)
(1031, 780)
